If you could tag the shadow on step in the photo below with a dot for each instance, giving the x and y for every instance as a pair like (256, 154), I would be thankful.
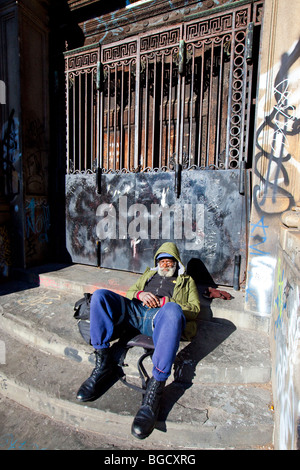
(209, 336)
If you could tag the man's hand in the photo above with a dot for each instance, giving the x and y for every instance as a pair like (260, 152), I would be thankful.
(150, 300)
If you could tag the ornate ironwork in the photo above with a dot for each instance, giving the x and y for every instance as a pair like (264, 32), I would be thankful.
(179, 93)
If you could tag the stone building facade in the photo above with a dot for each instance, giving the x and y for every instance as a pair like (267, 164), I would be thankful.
(38, 38)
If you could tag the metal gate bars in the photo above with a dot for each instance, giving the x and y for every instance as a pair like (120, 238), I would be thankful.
(175, 95)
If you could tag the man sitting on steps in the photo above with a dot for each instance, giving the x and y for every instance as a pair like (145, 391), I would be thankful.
(163, 303)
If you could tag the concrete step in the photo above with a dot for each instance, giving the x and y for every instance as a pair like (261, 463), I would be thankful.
(79, 278)
(192, 416)
(218, 396)
(23, 429)
(220, 352)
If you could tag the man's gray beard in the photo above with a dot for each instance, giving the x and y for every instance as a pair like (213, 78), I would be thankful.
(169, 273)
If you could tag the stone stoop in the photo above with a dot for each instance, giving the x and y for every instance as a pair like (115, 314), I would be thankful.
(218, 397)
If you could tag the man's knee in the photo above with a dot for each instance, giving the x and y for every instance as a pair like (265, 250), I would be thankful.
(101, 303)
(172, 309)
(100, 294)
(172, 314)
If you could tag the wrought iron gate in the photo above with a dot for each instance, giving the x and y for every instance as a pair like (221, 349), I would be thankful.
(148, 110)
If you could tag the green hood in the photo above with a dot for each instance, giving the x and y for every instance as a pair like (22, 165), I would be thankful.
(185, 291)
(172, 249)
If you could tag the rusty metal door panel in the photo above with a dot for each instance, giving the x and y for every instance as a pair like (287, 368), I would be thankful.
(123, 226)
(81, 205)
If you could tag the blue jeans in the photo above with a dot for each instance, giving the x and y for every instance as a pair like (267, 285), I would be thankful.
(112, 313)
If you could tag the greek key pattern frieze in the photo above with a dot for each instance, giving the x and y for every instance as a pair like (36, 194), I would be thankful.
(160, 40)
(209, 27)
(82, 61)
(120, 51)
(217, 25)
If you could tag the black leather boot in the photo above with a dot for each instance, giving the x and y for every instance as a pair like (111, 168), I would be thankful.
(105, 368)
(146, 417)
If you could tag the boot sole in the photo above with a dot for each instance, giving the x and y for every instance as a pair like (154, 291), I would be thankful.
(141, 436)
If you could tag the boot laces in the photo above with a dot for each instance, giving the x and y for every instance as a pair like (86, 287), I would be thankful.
(98, 362)
(151, 394)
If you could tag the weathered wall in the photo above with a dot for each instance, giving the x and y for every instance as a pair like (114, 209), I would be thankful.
(129, 19)
(35, 130)
(284, 339)
(134, 215)
(273, 265)
(24, 133)
(11, 223)
(277, 160)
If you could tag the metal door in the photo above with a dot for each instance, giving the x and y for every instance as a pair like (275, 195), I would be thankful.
(157, 145)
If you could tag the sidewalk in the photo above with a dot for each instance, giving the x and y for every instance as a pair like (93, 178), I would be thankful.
(221, 397)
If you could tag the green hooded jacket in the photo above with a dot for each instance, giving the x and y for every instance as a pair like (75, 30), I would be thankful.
(185, 291)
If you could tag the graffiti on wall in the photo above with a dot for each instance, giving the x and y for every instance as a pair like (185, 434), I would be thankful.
(135, 213)
(274, 134)
(10, 155)
(274, 163)
(37, 212)
(35, 156)
(286, 336)
(36, 209)
(37, 225)
(5, 250)
(261, 267)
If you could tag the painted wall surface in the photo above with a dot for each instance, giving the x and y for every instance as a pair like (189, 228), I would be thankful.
(35, 132)
(24, 134)
(11, 221)
(273, 265)
(276, 165)
(285, 341)
(137, 212)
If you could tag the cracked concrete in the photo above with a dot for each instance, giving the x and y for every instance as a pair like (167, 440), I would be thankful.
(217, 397)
